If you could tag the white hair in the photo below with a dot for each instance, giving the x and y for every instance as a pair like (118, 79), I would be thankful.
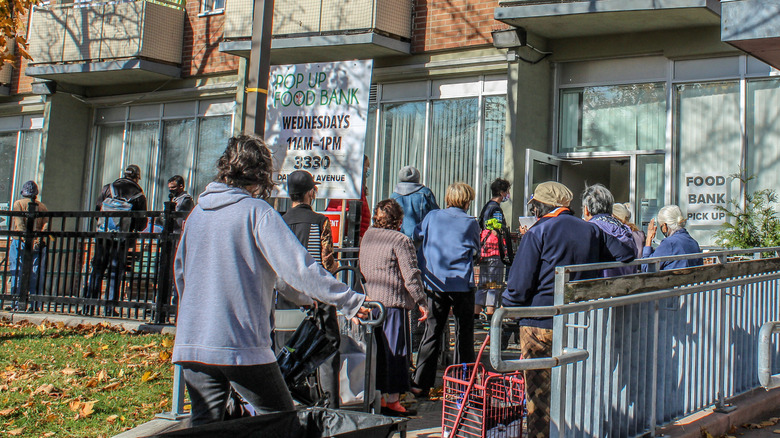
(672, 216)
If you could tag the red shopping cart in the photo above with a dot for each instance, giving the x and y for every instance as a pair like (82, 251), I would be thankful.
(481, 404)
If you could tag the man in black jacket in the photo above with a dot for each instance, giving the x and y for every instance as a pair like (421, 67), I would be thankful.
(313, 231)
(182, 201)
(111, 253)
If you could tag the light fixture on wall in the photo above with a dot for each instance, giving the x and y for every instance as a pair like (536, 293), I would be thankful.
(509, 38)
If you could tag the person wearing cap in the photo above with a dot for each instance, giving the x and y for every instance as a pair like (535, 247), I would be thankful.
(29, 194)
(111, 253)
(414, 198)
(558, 238)
(313, 231)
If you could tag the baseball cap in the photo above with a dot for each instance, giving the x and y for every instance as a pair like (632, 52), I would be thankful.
(300, 181)
(553, 193)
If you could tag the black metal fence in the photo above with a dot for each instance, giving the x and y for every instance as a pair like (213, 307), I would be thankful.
(71, 268)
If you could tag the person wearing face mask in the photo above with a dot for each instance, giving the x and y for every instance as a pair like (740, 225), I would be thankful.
(677, 240)
(496, 247)
(182, 201)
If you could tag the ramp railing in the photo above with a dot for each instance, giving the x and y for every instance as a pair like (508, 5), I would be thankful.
(637, 352)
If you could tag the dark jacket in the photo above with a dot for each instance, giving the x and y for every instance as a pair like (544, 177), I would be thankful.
(185, 203)
(558, 239)
(492, 210)
(126, 189)
(612, 226)
(417, 201)
(678, 243)
(313, 231)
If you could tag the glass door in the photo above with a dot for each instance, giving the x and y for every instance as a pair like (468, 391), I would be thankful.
(539, 167)
(650, 187)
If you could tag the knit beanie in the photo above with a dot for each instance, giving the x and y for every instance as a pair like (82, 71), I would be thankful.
(29, 189)
(409, 174)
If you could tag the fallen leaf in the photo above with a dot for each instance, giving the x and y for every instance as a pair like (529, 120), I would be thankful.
(104, 347)
(112, 418)
(8, 411)
(89, 335)
(87, 408)
(16, 431)
(71, 371)
(45, 389)
(766, 423)
(111, 386)
(88, 354)
(60, 324)
(102, 376)
(776, 431)
(74, 405)
(48, 434)
(91, 383)
(165, 355)
(147, 375)
(41, 328)
(167, 343)
(121, 373)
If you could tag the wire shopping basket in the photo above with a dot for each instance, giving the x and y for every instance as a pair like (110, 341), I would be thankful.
(481, 404)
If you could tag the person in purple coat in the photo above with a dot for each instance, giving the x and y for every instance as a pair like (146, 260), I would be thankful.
(597, 202)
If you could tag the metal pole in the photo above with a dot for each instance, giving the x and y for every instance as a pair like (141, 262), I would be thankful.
(165, 266)
(259, 65)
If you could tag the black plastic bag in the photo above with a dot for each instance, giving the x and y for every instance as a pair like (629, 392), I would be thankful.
(308, 348)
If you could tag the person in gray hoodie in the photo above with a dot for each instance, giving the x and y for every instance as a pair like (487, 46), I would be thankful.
(233, 251)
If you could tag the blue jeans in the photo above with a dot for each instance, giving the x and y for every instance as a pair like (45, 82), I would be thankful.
(15, 268)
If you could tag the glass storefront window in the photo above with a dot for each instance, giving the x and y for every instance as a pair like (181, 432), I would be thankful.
(492, 144)
(709, 138)
(402, 143)
(763, 134)
(8, 156)
(453, 153)
(612, 118)
(175, 145)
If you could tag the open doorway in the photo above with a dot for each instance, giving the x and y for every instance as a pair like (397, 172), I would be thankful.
(614, 174)
(637, 178)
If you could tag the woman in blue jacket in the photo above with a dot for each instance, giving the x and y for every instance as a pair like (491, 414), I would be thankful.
(677, 241)
(450, 239)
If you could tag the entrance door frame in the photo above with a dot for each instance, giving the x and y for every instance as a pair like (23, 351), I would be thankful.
(558, 159)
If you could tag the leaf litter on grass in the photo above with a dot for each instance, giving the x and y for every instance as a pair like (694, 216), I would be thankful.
(89, 380)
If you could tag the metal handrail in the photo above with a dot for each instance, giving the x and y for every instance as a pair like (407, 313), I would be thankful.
(652, 260)
(574, 355)
(765, 376)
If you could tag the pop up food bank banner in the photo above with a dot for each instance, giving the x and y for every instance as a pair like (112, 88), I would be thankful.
(705, 193)
(316, 121)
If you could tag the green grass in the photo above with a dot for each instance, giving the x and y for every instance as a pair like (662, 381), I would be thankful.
(87, 381)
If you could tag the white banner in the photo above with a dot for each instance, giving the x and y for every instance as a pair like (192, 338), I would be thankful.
(705, 192)
(316, 121)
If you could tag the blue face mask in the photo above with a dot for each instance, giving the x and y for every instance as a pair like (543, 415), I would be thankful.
(368, 172)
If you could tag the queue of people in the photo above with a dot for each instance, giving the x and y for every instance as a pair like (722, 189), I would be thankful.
(236, 253)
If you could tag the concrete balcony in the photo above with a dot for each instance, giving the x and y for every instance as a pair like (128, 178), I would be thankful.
(753, 26)
(107, 43)
(555, 19)
(324, 30)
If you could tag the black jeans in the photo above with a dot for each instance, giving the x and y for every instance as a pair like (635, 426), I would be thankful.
(440, 303)
(112, 255)
(209, 388)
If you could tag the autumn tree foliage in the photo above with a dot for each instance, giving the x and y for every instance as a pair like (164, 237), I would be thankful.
(13, 41)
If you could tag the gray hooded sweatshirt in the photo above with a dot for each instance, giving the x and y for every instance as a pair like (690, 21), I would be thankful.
(233, 250)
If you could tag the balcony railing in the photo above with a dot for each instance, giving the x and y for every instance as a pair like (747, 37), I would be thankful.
(324, 17)
(92, 32)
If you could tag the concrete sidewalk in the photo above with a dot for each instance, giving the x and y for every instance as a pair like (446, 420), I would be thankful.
(74, 320)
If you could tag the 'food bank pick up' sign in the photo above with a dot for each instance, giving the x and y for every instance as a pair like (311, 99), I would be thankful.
(316, 121)
(705, 192)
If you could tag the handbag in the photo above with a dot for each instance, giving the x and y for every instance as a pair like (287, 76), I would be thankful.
(308, 348)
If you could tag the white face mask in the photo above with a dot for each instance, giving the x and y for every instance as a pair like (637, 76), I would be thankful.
(506, 198)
